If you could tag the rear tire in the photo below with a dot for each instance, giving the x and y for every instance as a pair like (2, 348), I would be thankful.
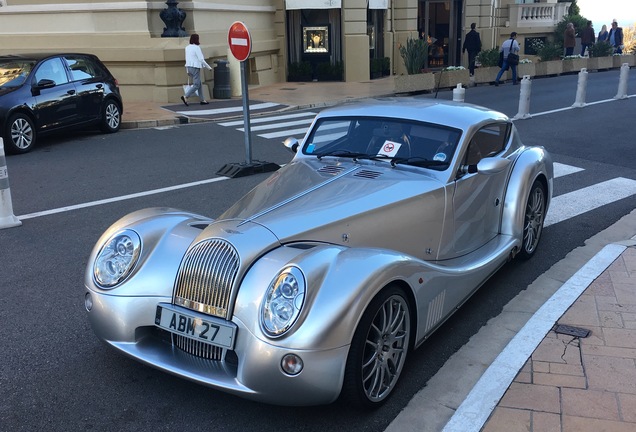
(111, 117)
(533, 220)
(378, 350)
(19, 134)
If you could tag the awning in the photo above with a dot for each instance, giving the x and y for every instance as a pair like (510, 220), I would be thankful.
(313, 4)
(378, 4)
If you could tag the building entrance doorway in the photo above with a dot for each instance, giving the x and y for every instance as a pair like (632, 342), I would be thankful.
(440, 22)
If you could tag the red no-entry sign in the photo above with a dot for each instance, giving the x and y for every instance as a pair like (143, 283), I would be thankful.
(240, 41)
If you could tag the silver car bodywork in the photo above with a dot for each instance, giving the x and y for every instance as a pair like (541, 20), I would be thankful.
(352, 226)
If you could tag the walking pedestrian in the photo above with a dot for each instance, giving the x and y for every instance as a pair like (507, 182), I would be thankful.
(511, 46)
(587, 37)
(569, 39)
(472, 44)
(194, 62)
(615, 37)
(603, 35)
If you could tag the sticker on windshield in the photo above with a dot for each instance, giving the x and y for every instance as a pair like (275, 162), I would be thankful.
(310, 148)
(441, 157)
(389, 148)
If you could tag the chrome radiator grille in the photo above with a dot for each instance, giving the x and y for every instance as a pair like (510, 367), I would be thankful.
(198, 349)
(206, 278)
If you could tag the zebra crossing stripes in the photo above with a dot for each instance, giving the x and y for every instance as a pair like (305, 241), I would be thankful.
(277, 125)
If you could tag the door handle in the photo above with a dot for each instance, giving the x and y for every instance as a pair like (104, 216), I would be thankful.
(99, 86)
(70, 92)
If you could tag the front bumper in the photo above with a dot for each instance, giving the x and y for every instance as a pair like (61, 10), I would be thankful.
(253, 370)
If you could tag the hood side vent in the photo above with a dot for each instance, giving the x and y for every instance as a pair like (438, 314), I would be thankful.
(331, 169)
(367, 174)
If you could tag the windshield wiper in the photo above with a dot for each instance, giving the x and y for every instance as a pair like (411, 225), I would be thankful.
(340, 152)
(417, 161)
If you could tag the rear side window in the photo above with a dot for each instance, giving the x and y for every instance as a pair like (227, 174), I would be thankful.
(82, 68)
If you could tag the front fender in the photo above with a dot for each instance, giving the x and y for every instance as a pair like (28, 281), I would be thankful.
(165, 236)
(341, 282)
(535, 163)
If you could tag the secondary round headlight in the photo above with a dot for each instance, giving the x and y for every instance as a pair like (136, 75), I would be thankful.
(116, 258)
(283, 301)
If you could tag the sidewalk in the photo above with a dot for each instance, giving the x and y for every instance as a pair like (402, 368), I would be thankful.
(557, 381)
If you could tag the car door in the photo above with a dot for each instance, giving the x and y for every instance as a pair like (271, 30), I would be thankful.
(478, 198)
(87, 76)
(55, 99)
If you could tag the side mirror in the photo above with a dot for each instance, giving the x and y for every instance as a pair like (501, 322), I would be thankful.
(45, 83)
(488, 165)
(291, 144)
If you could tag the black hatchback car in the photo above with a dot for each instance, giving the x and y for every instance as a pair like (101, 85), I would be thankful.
(42, 93)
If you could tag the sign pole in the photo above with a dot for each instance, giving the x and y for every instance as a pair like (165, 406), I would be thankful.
(246, 115)
(240, 42)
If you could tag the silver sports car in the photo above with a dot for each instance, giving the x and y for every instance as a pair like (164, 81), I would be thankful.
(317, 283)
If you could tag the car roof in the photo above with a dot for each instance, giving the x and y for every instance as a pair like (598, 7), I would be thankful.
(452, 114)
(39, 55)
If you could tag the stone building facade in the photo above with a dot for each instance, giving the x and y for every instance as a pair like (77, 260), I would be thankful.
(127, 34)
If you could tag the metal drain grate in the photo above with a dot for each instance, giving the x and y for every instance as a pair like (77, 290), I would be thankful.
(572, 331)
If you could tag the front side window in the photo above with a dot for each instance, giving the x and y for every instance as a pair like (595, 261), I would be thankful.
(52, 69)
(487, 141)
(397, 140)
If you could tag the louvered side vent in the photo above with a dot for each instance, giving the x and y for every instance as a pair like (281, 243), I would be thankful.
(367, 174)
(331, 169)
(206, 278)
(435, 311)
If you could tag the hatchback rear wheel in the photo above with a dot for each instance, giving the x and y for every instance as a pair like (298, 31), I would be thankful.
(111, 117)
(19, 136)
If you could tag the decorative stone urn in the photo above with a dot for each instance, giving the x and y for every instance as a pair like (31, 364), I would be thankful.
(414, 83)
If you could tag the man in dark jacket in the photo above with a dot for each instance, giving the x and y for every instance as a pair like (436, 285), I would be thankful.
(616, 37)
(472, 44)
(588, 37)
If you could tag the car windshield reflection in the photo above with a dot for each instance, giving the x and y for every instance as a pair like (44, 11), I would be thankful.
(395, 140)
(14, 73)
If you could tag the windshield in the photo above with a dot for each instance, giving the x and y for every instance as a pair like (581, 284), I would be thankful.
(13, 73)
(394, 140)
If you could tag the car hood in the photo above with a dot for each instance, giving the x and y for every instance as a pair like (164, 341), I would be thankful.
(349, 204)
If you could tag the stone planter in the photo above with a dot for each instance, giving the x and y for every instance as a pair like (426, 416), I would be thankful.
(552, 67)
(526, 69)
(450, 78)
(414, 83)
(485, 74)
(600, 63)
(574, 65)
(618, 60)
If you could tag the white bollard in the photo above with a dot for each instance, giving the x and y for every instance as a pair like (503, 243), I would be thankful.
(622, 82)
(7, 219)
(581, 89)
(524, 98)
(458, 93)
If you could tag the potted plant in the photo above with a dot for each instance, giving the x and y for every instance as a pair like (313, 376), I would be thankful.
(526, 67)
(550, 58)
(414, 54)
(451, 76)
(488, 66)
(574, 63)
(600, 56)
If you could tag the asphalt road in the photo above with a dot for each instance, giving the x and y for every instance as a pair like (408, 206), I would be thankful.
(56, 376)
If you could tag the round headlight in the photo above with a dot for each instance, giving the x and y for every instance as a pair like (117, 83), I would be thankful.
(283, 301)
(116, 258)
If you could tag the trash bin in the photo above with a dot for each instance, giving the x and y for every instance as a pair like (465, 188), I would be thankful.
(221, 80)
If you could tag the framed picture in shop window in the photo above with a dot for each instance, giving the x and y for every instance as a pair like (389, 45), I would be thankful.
(316, 40)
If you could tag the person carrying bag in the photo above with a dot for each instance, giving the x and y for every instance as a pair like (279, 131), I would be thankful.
(509, 53)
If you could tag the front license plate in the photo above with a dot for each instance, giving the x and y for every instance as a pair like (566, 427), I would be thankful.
(196, 326)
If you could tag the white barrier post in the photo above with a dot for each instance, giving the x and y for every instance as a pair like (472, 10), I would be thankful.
(581, 89)
(622, 82)
(524, 98)
(7, 219)
(458, 93)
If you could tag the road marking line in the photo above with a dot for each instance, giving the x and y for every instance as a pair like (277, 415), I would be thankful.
(473, 413)
(280, 125)
(581, 201)
(268, 119)
(228, 109)
(561, 170)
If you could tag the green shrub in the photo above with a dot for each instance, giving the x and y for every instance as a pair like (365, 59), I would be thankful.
(386, 66)
(579, 24)
(488, 58)
(601, 49)
(329, 72)
(414, 54)
(548, 50)
(299, 71)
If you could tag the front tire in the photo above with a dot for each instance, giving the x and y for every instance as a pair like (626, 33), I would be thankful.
(533, 220)
(111, 117)
(20, 135)
(378, 350)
